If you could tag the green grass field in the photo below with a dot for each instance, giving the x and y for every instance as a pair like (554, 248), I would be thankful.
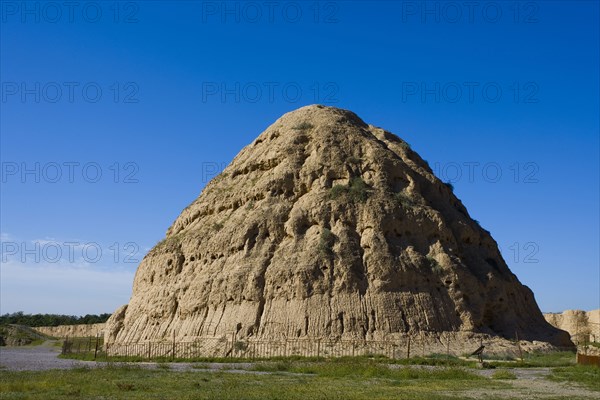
(374, 377)
(342, 381)
(284, 379)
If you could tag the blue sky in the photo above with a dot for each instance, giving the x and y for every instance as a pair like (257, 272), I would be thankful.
(116, 114)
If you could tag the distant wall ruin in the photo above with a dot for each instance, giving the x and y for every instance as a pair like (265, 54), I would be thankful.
(581, 325)
(62, 331)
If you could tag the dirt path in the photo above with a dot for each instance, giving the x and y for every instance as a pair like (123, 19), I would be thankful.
(45, 357)
(531, 383)
(35, 358)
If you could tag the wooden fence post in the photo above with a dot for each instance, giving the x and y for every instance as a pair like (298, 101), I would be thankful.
(519, 344)
(173, 352)
(96, 349)
(65, 344)
(408, 349)
(232, 344)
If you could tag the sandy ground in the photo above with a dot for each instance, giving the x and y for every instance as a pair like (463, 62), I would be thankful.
(531, 383)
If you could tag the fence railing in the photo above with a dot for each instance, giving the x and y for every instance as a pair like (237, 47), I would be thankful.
(83, 345)
(223, 348)
(228, 346)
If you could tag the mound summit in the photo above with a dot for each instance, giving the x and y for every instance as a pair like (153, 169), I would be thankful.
(326, 226)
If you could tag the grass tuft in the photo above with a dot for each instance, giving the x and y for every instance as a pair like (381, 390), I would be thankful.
(366, 369)
(503, 374)
(353, 160)
(404, 200)
(585, 375)
(125, 386)
(434, 265)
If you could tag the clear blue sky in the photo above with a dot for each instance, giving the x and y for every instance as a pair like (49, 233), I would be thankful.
(502, 99)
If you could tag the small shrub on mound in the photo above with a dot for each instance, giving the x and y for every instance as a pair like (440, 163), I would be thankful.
(326, 242)
(303, 126)
(356, 190)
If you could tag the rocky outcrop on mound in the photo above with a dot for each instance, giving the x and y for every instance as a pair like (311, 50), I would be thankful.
(326, 226)
(19, 335)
